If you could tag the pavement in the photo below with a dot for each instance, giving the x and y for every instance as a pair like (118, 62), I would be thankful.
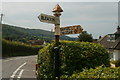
(19, 68)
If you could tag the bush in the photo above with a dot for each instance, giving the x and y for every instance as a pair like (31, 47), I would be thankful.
(98, 73)
(74, 56)
(12, 48)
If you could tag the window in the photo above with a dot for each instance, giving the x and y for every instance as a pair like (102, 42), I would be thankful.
(111, 37)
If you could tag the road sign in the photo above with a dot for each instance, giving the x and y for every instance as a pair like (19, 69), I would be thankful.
(71, 30)
(49, 19)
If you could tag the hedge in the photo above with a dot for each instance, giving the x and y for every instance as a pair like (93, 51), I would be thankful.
(74, 56)
(101, 73)
(12, 48)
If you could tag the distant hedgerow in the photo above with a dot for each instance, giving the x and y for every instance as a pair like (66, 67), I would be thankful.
(12, 48)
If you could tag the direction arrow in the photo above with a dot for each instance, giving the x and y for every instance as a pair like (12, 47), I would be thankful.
(71, 30)
(49, 19)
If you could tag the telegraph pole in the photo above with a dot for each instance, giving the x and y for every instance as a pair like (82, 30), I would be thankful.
(57, 12)
(1, 15)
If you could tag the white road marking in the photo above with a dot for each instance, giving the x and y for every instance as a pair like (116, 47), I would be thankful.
(13, 75)
(20, 74)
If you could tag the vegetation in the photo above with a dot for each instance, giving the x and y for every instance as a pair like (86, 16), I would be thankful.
(24, 34)
(12, 48)
(84, 36)
(74, 57)
(101, 73)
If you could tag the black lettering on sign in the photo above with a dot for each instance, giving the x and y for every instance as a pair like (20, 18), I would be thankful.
(47, 18)
(53, 19)
(66, 30)
(42, 17)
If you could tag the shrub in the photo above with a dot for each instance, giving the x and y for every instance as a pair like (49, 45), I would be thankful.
(97, 73)
(12, 48)
(74, 56)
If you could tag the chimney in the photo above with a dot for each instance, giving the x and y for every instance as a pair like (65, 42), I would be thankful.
(117, 34)
(118, 28)
(100, 37)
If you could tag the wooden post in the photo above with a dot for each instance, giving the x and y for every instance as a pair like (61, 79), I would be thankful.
(57, 14)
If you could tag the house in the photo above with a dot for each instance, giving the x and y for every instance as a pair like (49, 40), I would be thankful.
(112, 43)
(35, 42)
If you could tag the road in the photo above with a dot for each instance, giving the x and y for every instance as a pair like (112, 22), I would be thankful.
(19, 68)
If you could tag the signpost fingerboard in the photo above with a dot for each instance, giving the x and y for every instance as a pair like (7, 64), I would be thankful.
(76, 29)
(49, 19)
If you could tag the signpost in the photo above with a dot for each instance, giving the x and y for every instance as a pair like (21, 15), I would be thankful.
(71, 30)
(58, 31)
(54, 20)
(57, 12)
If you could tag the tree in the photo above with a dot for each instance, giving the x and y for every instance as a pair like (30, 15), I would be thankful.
(84, 36)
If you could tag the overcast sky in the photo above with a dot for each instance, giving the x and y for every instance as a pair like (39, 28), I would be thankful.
(97, 18)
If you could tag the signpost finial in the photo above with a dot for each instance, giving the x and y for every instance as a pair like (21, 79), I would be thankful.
(57, 8)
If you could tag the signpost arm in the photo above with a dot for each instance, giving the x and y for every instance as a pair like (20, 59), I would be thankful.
(57, 14)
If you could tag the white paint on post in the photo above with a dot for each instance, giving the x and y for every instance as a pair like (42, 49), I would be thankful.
(116, 55)
(57, 29)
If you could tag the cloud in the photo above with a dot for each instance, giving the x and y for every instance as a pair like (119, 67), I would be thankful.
(98, 18)
(90, 10)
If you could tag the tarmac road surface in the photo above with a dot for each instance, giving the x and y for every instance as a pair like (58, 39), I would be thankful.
(19, 68)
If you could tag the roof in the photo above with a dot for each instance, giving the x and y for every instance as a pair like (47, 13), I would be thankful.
(109, 44)
(118, 46)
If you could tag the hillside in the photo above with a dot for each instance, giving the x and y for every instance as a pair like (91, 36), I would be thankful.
(24, 34)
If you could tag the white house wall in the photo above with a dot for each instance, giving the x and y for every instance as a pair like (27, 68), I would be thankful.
(116, 55)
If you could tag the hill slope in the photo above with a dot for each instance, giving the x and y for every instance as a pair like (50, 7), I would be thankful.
(23, 34)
